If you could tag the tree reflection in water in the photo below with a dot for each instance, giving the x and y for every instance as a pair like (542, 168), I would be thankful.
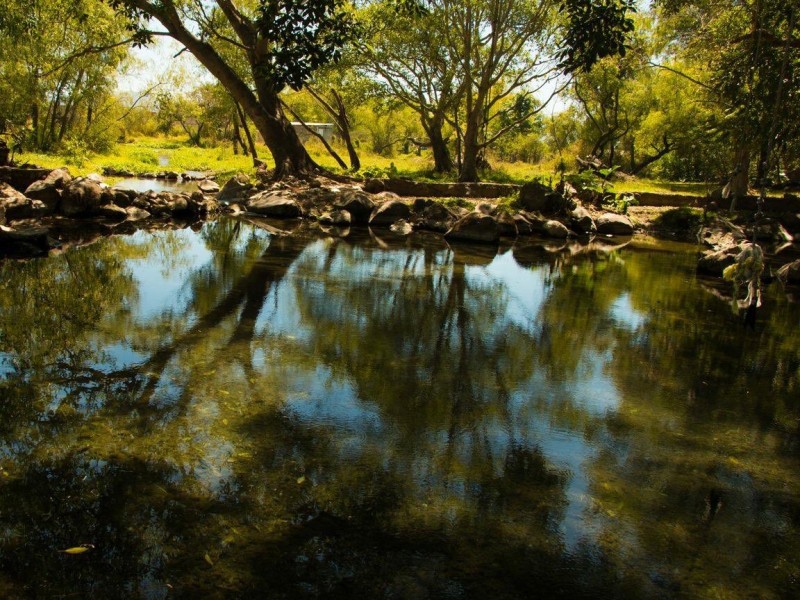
(385, 416)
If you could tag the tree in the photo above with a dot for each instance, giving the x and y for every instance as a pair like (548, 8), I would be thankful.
(751, 54)
(405, 55)
(58, 80)
(276, 43)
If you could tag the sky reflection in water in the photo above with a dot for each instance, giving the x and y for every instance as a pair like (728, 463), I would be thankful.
(230, 412)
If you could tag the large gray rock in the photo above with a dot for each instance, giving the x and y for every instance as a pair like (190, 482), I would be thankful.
(506, 225)
(614, 224)
(359, 204)
(236, 189)
(389, 212)
(555, 229)
(340, 218)
(275, 205)
(533, 196)
(16, 206)
(433, 216)
(137, 214)
(48, 190)
(523, 225)
(208, 186)
(80, 197)
(581, 220)
(111, 212)
(475, 227)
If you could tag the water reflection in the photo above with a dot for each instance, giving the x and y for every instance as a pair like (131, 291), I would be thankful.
(244, 411)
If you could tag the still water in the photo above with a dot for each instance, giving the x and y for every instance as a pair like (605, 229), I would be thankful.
(235, 413)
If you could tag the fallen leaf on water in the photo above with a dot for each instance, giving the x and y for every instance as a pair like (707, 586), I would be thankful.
(79, 549)
(301, 480)
(208, 559)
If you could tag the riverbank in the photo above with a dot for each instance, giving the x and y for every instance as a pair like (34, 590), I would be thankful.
(43, 210)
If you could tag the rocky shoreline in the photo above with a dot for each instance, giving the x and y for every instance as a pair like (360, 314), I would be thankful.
(42, 210)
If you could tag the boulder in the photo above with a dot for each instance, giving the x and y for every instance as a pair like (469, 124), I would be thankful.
(434, 216)
(401, 227)
(358, 204)
(523, 225)
(475, 227)
(614, 224)
(340, 218)
(81, 196)
(275, 205)
(555, 229)
(485, 207)
(112, 212)
(137, 214)
(179, 204)
(124, 198)
(790, 273)
(715, 262)
(208, 187)
(533, 196)
(506, 225)
(48, 190)
(16, 206)
(389, 212)
(374, 186)
(236, 189)
(581, 220)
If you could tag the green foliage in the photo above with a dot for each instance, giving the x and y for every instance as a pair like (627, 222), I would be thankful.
(621, 202)
(594, 31)
(302, 36)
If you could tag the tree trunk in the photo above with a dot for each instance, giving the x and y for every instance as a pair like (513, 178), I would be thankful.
(291, 158)
(248, 136)
(740, 180)
(471, 148)
(442, 161)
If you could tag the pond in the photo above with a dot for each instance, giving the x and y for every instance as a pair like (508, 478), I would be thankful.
(138, 184)
(238, 413)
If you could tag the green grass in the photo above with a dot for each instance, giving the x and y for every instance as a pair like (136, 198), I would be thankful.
(145, 155)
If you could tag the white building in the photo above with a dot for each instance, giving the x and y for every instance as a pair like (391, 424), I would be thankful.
(323, 129)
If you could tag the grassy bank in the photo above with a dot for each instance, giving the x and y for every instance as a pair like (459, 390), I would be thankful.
(148, 155)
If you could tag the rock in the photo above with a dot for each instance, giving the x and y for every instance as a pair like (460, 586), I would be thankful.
(112, 212)
(374, 186)
(20, 178)
(434, 216)
(81, 196)
(49, 189)
(208, 187)
(236, 189)
(275, 205)
(124, 198)
(401, 227)
(16, 206)
(475, 227)
(581, 220)
(485, 208)
(340, 218)
(614, 224)
(506, 225)
(95, 177)
(358, 204)
(773, 231)
(537, 197)
(715, 262)
(565, 189)
(25, 243)
(137, 214)
(2, 214)
(523, 225)
(555, 229)
(790, 273)
(179, 204)
(389, 212)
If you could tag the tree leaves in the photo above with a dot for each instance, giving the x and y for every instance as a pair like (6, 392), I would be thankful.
(594, 30)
